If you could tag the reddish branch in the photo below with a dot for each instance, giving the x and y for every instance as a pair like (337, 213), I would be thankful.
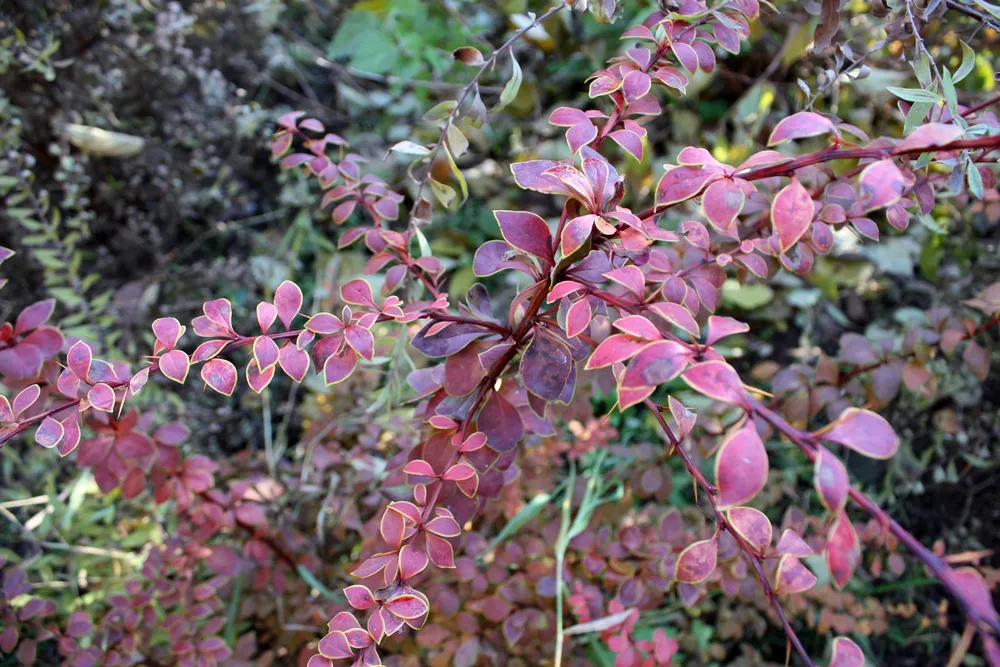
(755, 559)
(809, 446)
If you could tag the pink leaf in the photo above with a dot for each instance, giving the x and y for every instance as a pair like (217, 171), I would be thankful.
(49, 432)
(220, 375)
(411, 562)
(339, 365)
(335, 646)
(721, 327)
(287, 301)
(174, 365)
(843, 550)
(930, 136)
(25, 399)
(791, 214)
(527, 232)
(265, 352)
(102, 397)
(741, 466)
(168, 331)
(831, 480)
(358, 292)
(799, 126)
(34, 316)
(682, 183)
(881, 184)
(614, 349)
(420, 468)
(406, 606)
(677, 315)
(637, 326)
(718, 380)
(257, 379)
(863, 431)
(501, 423)
(79, 358)
(791, 543)
(722, 203)
(578, 317)
(294, 362)
(792, 576)
(752, 526)
(846, 654)
(697, 562)
(630, 277)
(266, 314)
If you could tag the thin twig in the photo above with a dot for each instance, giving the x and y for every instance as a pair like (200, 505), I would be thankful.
(752, 556)
(453, 116)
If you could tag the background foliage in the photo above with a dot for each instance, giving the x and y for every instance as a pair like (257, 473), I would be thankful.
(138, 181)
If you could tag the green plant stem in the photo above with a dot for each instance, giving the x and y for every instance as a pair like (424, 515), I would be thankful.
(561, 543)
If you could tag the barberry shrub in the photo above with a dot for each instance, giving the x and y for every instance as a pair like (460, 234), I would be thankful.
(611, 297)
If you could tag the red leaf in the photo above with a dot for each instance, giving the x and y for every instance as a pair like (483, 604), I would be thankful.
(287, 301)
(441, 553)
(614, 349)
(752, 526)
(677, 315)
(406, 606)
(167, 331)
(799, 126)
(220, 375)
(501, 423)
(792, 576)
(335, 646)
(468, 55)
(358, 292)
(324, 324)
(546, 365)
(881, 184)
(718, 380)
(34, 316)
(930, 135)
(843, 551)
(419, 467)
(578, 317)
(257, 379)
(791, 214)
(741, 466)
(49, 432)
(721, 327)
(697, 562)
(101, 396)
(339, 365)
(175, 365)
(265, 352)
(864, 432)
(527, 232)
(722, 203)
(562, 289)
(682, 183)
(656, 364)
(411, 562)
(294, 362)
(791, 543)
(846, 654)
(458, 472)
(831, 480)
(637, 326)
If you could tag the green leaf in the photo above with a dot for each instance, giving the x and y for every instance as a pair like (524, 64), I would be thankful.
(458, 175)
(49, 259)
(975, 179)
(948, 86)
(527, 513)
(922, 68)
(66, 296)
(410, 148)
(918, 111)
(440, 111)
(444, 193)
(968, 63)
(311, 579)
(364, 36)
(457, 143)
(914, 94)
(512, 87)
